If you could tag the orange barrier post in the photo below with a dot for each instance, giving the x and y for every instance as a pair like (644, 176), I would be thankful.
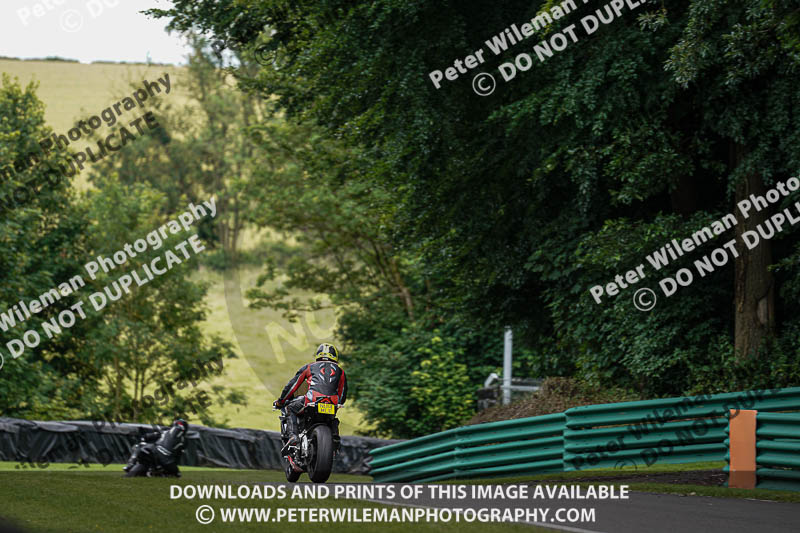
(742, 435)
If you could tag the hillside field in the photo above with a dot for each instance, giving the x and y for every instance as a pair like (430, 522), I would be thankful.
(270, 350)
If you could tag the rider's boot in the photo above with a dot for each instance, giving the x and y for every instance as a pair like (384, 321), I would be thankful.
(131, 459)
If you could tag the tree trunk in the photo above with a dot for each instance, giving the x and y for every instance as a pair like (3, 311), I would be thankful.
(405, 294)
(754, 288)
(117, 389)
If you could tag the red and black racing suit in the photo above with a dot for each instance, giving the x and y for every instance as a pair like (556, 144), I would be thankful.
(326, 380)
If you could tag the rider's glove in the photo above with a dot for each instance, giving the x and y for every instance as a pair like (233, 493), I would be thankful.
(277, 404)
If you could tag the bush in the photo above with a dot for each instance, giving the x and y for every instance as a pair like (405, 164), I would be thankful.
(722, 371)
(439, 386)
(412, 379)
(55, 58)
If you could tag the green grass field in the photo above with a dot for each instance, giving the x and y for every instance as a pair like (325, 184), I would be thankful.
(270, 350)
(54, 500)
(74, 91)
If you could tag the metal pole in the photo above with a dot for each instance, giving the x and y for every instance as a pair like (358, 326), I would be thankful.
(507, 366)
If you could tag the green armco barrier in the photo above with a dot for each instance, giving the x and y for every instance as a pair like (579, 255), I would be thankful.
(521, 446)
(643, 433)
(778, 451)
(669, 430)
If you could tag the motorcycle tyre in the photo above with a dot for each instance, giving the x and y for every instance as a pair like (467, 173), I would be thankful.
(321, 464)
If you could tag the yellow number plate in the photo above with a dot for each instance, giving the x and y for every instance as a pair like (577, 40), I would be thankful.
(325, 408)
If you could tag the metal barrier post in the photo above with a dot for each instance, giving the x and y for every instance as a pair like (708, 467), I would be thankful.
(507, 366)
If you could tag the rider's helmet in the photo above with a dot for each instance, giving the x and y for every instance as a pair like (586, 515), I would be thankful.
(181, 423)
(327, 352)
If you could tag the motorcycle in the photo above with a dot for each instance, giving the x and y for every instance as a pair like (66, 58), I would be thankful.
(317, 443)
(143, 463)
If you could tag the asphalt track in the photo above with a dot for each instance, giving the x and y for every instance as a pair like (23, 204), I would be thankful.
(650, 513)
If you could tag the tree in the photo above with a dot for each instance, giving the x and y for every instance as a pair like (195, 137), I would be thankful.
(203, 147)
(41, 246)
(512, 206)
(151, 338)
(320, 195)
(745, 81)
(107, 362)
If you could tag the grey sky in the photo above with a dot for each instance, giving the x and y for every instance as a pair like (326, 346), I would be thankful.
(87, 30)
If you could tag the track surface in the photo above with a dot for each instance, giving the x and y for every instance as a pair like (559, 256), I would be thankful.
(651, 513)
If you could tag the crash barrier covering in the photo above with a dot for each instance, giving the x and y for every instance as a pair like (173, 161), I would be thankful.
(642, 433)
(39, 443)
(521, 446)
(777, 451)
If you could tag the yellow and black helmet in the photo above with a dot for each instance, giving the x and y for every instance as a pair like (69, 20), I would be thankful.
(327, 351)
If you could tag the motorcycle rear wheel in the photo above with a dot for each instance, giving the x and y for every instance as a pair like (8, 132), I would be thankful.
(320, 463)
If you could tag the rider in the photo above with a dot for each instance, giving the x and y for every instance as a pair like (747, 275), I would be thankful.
(325, 380)
(161, 448)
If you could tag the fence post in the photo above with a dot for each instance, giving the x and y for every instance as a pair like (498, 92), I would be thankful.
(507, 341)
(742, 435)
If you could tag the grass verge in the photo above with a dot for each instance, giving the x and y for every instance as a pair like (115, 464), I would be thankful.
(50, 501)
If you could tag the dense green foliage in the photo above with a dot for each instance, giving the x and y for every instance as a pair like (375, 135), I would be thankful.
(109, 362)
(507, 209)
(41, 245)
(151, 339)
